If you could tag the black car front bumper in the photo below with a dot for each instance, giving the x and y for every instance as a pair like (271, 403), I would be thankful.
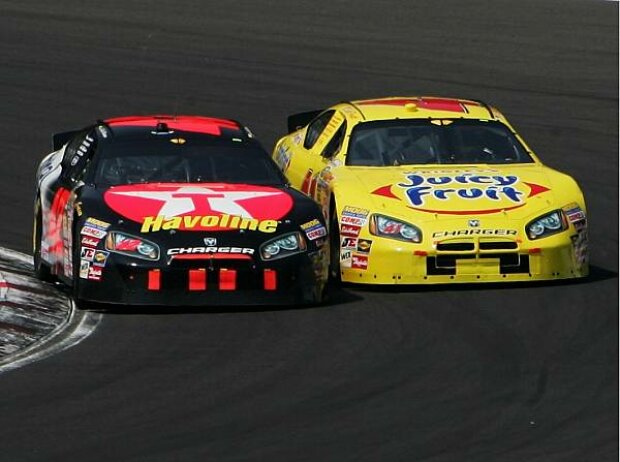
(299, 279)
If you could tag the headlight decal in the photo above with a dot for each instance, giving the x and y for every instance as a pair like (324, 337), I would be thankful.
(283, 246)
(546, 225)
(131, 246)
(384, 226)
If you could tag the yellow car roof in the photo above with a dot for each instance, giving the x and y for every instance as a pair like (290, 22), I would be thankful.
(422, 107)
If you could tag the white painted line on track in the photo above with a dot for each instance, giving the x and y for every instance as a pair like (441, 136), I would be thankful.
(72, 330)
(16, 256)
(3, 288)
(79, 326)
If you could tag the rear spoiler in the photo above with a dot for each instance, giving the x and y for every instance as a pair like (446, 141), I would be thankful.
(60, 139)
(297, 121)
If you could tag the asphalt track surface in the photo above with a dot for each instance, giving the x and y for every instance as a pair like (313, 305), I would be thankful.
(497, 373)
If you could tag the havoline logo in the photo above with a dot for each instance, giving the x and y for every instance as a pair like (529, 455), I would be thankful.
(200, 207)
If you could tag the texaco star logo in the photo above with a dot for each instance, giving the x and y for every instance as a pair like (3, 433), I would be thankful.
(167, 201)
(185, 199)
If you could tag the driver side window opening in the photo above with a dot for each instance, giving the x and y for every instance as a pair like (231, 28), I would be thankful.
(316, 127)
(334, 145)
(78, 155)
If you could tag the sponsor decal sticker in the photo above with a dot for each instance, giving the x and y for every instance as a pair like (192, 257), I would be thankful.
(207, 250)
(433, 104)
(345, 258)
(359, 262)
(364, 245)
(216, 207)
(350, 230)
(353, 216)
(476, 191)
(314, 229)
(84, 267)
(574, 213)
(82, 150)
(210, 241)
(283, 157)
(356, 212)
(476, 232)
(310, 224)
(316, 233)
(100, 258)
(87, 253)
(94, 273)
(93, 232)
(89, 241)
(348, 243)
(95, 223)
(352, 220)
(207, 222)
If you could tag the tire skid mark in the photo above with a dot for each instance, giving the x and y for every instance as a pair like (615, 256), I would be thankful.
(29, 288)
(15, 327)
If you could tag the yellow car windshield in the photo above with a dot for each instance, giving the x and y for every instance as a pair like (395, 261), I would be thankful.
(424, 142)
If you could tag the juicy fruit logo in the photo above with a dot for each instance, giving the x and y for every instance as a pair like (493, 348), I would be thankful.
(200, 207)
(473, 191)
(465, 186)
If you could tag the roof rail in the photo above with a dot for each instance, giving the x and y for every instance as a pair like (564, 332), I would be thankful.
(350, 103)
(486, 106)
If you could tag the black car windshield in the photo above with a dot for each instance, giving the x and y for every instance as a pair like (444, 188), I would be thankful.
(121, 163)
(432, 141)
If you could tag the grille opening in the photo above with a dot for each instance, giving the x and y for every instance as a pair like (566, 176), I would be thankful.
(508, 263)
(509, 245)
(455, 246)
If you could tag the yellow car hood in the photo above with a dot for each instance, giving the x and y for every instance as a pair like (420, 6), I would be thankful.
(449, 192)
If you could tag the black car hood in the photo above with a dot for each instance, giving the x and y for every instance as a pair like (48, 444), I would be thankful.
(190, 213)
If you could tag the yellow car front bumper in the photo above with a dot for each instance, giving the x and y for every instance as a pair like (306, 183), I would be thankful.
(467, 261)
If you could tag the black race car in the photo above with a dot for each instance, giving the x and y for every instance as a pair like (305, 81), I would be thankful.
(175, 210)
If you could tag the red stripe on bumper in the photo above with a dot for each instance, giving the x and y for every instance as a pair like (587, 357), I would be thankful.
(154, 282)
(212, 256)
(270, 279)
(198, 279)
(228, 279)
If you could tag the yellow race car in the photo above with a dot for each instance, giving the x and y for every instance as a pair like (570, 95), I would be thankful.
(423, 190)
